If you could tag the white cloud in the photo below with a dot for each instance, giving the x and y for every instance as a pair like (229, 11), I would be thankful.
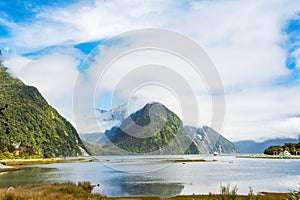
(243, 38)
(263, 113)
(54, 75)
(85, 21)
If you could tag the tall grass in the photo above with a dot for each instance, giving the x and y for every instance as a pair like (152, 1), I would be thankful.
(68, 190)
(226, 193)
(294, 195)
(82, 190)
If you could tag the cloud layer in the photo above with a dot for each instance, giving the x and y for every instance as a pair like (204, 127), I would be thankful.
(247, 40)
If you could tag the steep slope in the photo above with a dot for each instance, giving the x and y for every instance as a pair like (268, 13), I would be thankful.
(29, 127)
(152, 130)
(208, 140)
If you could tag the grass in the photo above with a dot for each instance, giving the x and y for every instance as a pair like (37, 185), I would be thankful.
(82, 190)
(68, 190)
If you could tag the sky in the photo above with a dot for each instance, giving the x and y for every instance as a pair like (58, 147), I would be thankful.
(254, 45)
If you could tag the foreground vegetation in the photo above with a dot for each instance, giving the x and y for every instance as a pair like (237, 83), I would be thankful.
(51, 191)
(83, 190)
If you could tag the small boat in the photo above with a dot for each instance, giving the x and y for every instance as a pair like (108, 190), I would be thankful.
(216, 153)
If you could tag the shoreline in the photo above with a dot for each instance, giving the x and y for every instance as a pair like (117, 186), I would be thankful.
(4, 168)
(264, 156)
(30, 161)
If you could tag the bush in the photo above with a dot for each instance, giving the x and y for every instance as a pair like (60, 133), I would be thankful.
(295, 195)
(227, 193)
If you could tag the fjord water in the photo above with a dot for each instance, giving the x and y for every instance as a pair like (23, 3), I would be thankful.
(154, 175)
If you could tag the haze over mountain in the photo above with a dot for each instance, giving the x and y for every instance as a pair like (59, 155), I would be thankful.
(110, 118)
(209, 140)
(248, 146)
(30, 127)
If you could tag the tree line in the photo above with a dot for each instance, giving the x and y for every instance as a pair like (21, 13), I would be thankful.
(293, 148)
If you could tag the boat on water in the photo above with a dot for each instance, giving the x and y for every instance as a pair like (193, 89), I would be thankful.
(218, 152)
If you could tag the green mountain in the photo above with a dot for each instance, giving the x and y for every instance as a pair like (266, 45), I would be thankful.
(29, 126)
(208, 140)
(205, 139)
(152, 130)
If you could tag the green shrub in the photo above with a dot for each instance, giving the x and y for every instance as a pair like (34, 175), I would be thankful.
(294, 195)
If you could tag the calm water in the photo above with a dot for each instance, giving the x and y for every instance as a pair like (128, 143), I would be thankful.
(138, 175)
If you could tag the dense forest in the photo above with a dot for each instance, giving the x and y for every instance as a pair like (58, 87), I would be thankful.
(293, 148)
(168, 133)
(29, 126)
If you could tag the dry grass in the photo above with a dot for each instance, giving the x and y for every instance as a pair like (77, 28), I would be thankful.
(51, 191)
(82, 190)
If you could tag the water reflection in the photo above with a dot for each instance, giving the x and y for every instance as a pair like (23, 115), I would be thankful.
(27, 176)
(152, 189)
(137, 185)
(126, 184)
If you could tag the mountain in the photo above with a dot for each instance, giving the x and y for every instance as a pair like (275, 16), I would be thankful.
(154, 129)
(30, 127)
(205, 139)
(248, 146)
(208, 140)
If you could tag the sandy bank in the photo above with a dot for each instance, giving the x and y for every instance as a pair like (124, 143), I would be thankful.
(14, 162)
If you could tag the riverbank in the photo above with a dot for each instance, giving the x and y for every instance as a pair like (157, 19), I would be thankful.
(82, 190)
(17, 162)
(268, 156)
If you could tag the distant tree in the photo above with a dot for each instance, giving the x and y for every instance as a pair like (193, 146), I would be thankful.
(291, 147)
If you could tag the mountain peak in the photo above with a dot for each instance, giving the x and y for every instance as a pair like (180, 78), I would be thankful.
(154, 129)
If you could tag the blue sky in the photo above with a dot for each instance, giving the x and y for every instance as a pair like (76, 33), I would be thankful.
(254, 45)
